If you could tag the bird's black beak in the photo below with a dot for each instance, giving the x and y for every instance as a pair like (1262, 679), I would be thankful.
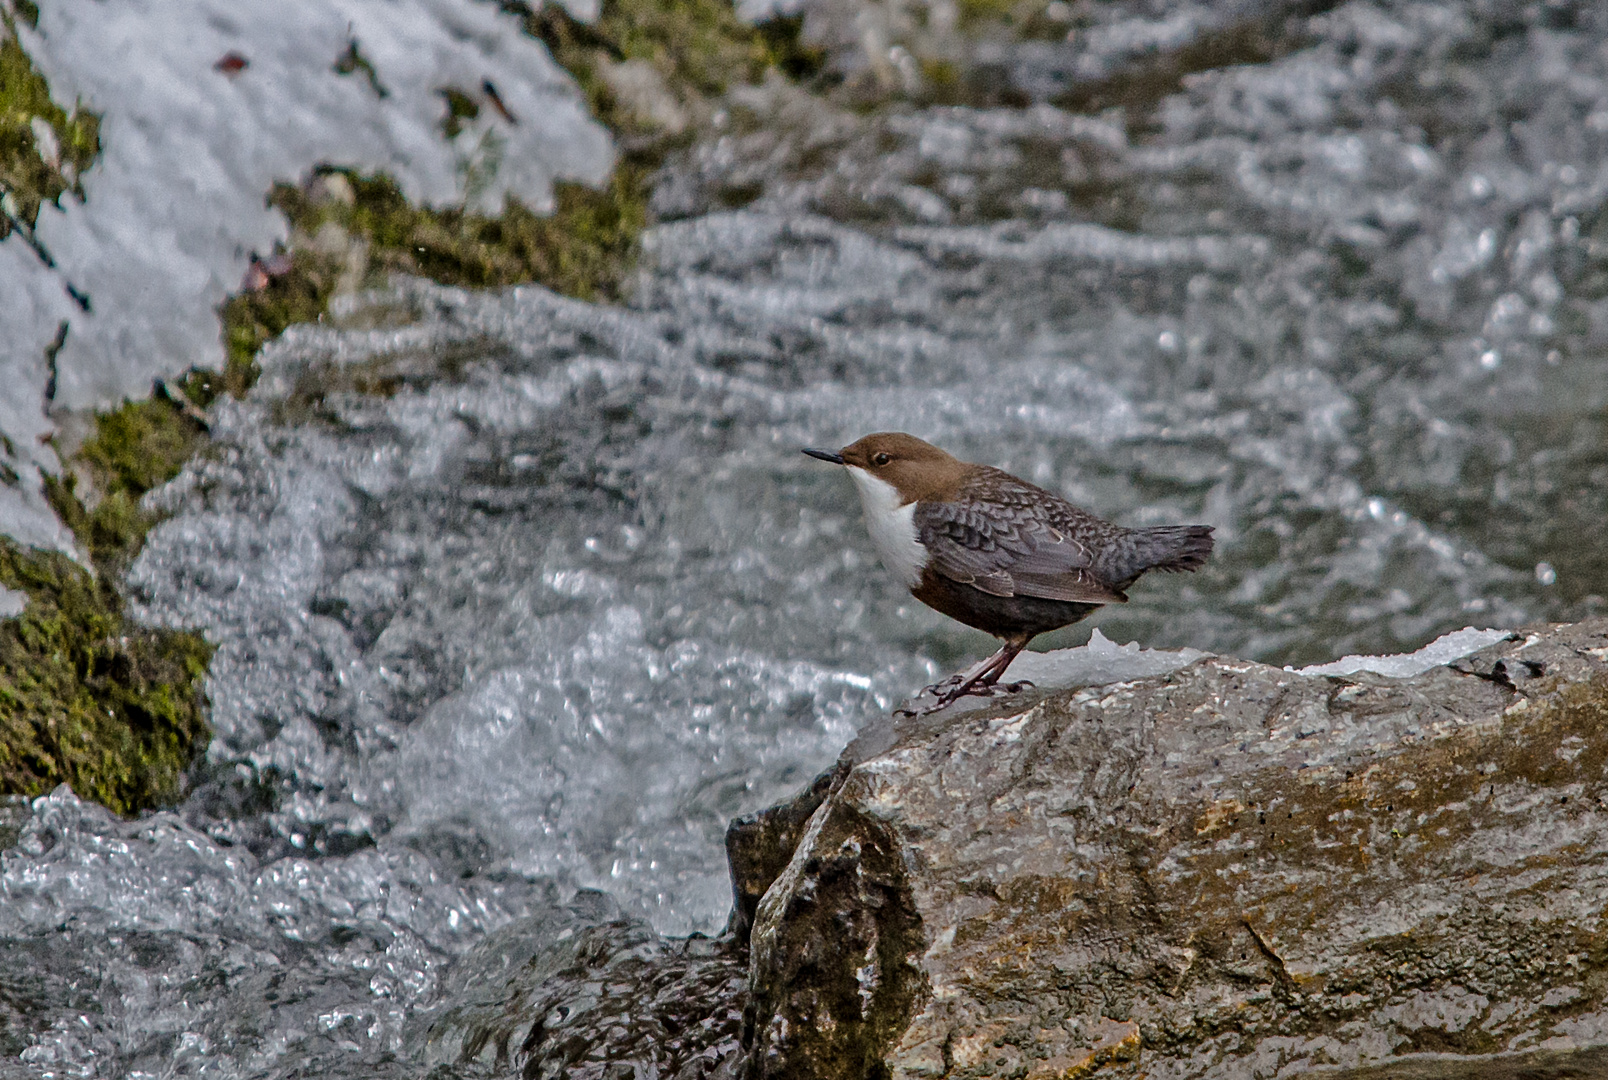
(825, 455)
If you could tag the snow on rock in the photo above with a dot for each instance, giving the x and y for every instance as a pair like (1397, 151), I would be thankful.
(175, 206)
(12, 602)
(1102, 662)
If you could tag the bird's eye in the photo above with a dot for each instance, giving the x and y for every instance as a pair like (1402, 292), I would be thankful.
(880, 459)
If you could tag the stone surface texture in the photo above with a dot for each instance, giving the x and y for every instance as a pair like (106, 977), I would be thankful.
(584, 992)
(1232, 870)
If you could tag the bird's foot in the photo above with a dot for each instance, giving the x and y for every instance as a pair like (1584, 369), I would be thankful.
(939, 689)
(953, 689)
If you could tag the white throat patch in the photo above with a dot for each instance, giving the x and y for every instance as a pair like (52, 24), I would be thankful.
(892, 527)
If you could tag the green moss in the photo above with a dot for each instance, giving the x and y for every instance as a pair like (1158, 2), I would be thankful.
(785, 50)
(253, 317)
(137, 447)
(586, 246)
(582, 249)
(973, 12)
(1020, 19)
(28, 178)
(87, 698)
(697, 47)
(699, 44)
(352, 61)
(460, 107)
(944, 81)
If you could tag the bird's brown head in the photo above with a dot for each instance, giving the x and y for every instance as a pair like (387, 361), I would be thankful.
(919, 470)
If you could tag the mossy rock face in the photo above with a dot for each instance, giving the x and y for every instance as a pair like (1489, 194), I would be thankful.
(89, 699)
(690, 50)
(583, 249)
(116, 710)
(30, 174)
(697, 48)
(136, 447)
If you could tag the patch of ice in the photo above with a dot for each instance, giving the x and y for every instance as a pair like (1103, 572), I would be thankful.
(1443, 650)
(175, 206)
(1099, 663)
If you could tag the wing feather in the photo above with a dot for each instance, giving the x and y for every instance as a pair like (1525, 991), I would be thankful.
(1007, 549)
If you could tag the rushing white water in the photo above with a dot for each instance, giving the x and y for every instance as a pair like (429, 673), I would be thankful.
(514, 594)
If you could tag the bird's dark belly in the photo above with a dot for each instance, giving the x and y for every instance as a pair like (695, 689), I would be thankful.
(1002, 616)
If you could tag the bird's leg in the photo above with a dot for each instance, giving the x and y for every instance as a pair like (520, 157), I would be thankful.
(981, 682)
(988, 679)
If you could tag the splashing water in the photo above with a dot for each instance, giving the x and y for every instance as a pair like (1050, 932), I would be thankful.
(514, 594)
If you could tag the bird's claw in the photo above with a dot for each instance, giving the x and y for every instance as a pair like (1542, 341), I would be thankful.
(939, 689)
(953, 689)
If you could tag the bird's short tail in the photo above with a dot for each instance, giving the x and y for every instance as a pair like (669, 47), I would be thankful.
(1173, 548)
(1178, 547)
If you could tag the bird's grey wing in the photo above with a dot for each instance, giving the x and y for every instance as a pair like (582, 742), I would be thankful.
(1008, 551)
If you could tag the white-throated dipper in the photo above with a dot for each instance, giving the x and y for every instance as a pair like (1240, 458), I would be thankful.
(995, 552)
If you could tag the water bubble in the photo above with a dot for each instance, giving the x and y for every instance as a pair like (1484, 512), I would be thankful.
(1545, 574)
(1168, 340)
(1490, 359)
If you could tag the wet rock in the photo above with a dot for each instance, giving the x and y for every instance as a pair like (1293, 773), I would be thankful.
(585, 992)
(1230, 870)
(759, 847)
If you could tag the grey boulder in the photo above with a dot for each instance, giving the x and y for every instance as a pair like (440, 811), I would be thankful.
(1228, 871)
